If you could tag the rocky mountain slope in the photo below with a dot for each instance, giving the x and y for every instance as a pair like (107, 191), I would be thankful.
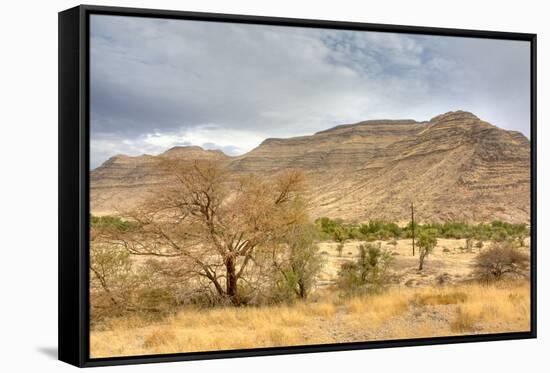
(453, 167)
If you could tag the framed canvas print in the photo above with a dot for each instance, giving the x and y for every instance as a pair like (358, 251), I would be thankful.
(233, 186)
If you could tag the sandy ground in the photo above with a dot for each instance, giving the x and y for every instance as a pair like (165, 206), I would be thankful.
(449, 259)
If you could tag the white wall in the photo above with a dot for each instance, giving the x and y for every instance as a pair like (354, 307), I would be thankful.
(28, 187)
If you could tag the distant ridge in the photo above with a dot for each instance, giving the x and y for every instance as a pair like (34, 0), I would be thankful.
(453, 167)
(370, 122)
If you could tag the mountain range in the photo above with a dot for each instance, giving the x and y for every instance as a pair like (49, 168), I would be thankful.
(454, 166)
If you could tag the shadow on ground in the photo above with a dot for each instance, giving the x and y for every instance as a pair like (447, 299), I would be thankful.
(50, 352)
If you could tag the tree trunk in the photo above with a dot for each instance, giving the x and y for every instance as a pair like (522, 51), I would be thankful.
(302, 287)
(412, 224)
(231, 281)
(421, 262)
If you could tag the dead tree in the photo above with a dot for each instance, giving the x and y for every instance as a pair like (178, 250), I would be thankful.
(211, 223)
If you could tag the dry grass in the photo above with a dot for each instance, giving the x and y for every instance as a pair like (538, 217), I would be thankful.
(323, 310)
(463, 322)
(378, 308)
(397, 313)
(441, 298)
(503, 306)
(158, 337)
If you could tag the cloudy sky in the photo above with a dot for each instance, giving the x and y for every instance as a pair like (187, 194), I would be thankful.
(157, 83)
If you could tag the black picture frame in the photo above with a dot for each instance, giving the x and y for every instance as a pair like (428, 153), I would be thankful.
(74, 211)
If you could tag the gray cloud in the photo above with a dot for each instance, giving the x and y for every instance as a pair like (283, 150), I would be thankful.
(156, 83)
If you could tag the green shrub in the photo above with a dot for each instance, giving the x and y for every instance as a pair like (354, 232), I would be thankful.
(499, 234)
(369, 273)
(111, 222)
(427, 239)
(377, 230)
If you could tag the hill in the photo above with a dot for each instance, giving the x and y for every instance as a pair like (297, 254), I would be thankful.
(453, 167)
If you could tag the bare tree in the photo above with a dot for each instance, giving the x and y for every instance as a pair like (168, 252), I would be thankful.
(210, 224)
(339, 248)
(500, 260)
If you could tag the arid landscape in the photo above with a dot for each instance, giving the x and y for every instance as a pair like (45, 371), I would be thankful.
(443, 300)
(256, 186)
(309, 240)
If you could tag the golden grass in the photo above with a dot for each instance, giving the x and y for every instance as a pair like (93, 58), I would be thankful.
(500, 307)
(397, 313)
(378, 308)
(463, 322)
(323, 310)
(441, 298)
(158, 337)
